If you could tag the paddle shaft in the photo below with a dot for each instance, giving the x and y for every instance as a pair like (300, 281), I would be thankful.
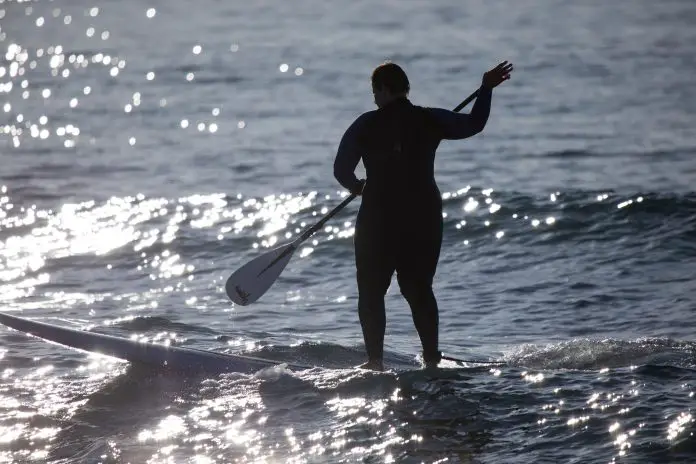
(466, 102)
(309, 232)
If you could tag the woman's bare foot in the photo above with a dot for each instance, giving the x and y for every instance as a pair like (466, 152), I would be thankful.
(372, 365)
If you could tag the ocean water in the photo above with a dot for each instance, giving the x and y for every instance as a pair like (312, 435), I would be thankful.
(149, 149)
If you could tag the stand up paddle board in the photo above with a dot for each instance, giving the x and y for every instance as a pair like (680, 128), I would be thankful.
(159, 356)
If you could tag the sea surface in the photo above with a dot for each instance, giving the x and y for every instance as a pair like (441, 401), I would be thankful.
(149, 149)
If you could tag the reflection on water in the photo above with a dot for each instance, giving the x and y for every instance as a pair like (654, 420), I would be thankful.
(135, 226)
(150, 230)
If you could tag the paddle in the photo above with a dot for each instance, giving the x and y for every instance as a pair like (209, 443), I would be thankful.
(252, 280)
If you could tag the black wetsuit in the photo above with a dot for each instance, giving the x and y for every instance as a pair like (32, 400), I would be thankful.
(399, 225)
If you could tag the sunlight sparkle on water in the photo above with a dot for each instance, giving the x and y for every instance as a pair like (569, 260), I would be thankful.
(167, 429)
(135, 225)
(470, 205)
(678, 425)
(533, 378)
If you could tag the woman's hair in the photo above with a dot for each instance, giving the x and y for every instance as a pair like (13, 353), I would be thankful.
(391, 76)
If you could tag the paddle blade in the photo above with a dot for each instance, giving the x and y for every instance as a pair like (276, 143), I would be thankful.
(253, 279)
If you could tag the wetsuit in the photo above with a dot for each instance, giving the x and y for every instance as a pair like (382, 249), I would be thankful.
(399, 224)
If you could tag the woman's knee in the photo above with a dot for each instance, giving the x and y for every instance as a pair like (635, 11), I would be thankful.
(415, 289)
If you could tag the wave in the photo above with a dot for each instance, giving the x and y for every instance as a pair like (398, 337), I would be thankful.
(593, 354)
(585, 202)
(644, 156)
(574, 216)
